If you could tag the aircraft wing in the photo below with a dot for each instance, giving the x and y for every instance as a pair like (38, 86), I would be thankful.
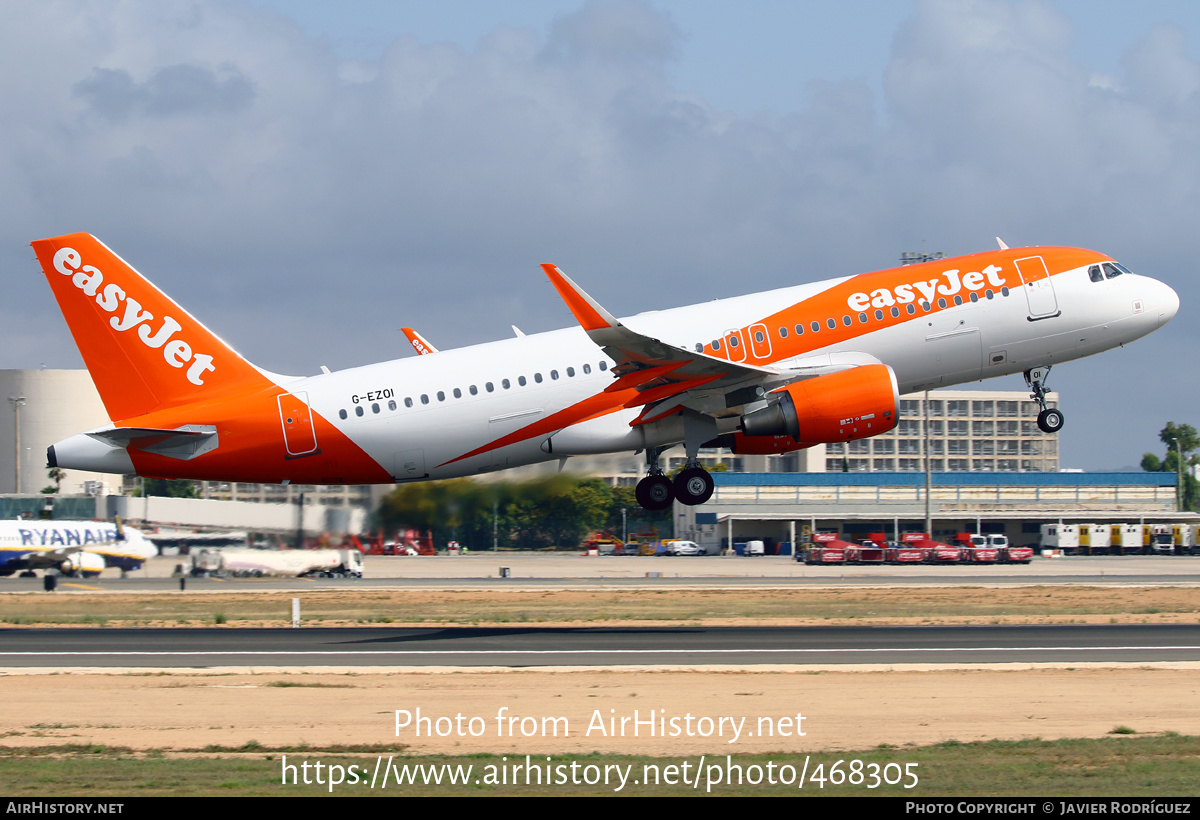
(669, 378)
(48, 558)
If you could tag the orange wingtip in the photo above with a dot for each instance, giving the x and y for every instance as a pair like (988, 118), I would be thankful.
(587, 312)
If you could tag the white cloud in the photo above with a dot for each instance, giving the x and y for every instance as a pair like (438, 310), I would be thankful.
(306, 206)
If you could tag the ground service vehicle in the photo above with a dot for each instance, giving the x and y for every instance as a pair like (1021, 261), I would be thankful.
(247, 562)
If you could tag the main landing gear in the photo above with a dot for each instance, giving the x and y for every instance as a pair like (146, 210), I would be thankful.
(1049, 420)
(692, 486)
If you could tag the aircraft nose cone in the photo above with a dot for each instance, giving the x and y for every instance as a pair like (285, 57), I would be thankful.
(1168, 304)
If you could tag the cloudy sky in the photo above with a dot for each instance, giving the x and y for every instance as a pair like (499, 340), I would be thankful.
(307, 177)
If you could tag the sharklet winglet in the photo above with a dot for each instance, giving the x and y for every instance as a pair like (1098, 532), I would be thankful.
(588, 312)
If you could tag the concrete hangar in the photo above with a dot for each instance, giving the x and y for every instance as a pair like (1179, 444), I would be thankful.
(785, 507)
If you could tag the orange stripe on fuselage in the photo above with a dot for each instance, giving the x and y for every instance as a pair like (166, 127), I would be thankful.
(832, 303)
(252, 448)
(880, 286)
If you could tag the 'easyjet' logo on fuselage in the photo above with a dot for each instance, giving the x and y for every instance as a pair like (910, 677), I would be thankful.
(176, 352)
(953, 281)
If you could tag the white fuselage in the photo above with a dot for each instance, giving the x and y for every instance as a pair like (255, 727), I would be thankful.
(444, 408)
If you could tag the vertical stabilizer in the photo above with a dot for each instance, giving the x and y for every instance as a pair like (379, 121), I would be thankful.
(144, 351)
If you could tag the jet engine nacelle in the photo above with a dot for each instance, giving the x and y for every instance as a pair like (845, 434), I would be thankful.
(87, 564)
(843, 406)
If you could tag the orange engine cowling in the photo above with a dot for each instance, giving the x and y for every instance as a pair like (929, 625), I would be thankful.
(843, 406)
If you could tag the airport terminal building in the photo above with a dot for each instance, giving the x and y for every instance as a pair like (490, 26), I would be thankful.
(783, 508)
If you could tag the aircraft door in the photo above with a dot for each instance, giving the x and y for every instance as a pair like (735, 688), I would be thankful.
(299, 435)
(760, 341)
(735, 345)
(1038, 286)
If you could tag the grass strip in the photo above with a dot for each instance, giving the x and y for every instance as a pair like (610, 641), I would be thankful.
(1163, 765)
(1037, 604)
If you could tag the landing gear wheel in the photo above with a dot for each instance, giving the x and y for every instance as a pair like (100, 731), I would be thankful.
(693, 486)
(654, 492)
(1050, 421)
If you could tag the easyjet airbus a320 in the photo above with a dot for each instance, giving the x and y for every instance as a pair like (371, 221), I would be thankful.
(766, 373)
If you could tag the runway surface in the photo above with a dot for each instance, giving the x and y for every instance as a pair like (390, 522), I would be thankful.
(537, 647)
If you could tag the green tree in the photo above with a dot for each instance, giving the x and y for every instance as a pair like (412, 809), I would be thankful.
(1180, 440)
(636, 518)
(170, 488)
(550, 512)
(55, 474)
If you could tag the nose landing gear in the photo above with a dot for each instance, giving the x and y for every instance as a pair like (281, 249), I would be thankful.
(1049, 420)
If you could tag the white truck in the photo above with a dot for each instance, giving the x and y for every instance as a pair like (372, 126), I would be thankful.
(1063, 537)
(244, 562)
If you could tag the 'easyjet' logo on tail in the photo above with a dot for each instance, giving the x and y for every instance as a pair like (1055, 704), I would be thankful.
(176, 352)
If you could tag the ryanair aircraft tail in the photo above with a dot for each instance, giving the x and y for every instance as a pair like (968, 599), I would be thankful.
(144, 351)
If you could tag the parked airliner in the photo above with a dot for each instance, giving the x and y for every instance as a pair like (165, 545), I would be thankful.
(71, 547)
(768, 372)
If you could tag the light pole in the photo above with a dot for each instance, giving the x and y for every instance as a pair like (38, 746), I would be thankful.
(1178, 475)
(928, 473)
(17, 403)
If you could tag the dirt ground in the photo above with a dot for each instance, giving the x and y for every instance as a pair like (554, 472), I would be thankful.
(841, 709)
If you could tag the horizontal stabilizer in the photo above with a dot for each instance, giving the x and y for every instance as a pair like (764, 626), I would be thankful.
(183, 443)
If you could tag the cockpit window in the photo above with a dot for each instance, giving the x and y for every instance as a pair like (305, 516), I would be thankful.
(1095, 274)
(1111, 270)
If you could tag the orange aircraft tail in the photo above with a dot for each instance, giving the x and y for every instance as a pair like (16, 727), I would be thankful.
(144, 351)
